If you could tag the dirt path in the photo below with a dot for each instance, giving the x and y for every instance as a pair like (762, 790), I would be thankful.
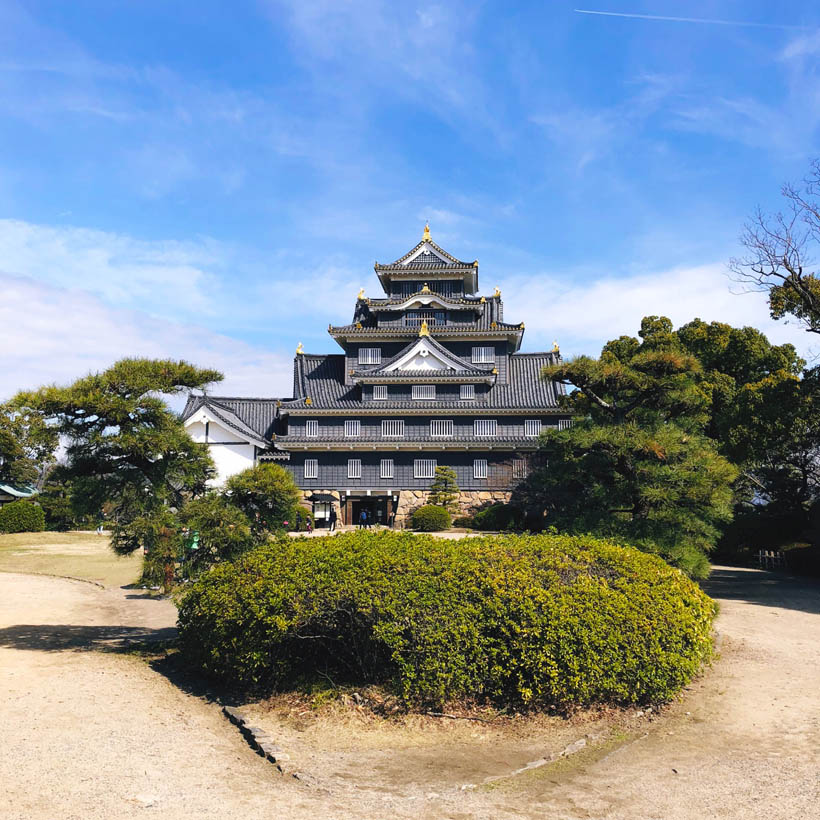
(101, 735)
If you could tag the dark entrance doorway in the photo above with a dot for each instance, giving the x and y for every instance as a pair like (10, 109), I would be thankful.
(375, 506)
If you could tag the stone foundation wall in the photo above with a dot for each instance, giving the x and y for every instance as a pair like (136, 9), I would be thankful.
(467, 503)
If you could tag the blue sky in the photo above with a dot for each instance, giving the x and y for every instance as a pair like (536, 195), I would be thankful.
(214, 181)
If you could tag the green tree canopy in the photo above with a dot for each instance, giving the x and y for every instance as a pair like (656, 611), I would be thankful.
(444, 489)
(266, 494)
(27, 445)
(124, 445)
(636, 464)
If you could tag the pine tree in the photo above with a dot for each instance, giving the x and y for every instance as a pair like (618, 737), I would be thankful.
(444, 490)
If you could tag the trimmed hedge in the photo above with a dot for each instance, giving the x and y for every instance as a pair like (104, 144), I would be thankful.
(539, 621)
(430, 518)
(22, 516)
(498, 517)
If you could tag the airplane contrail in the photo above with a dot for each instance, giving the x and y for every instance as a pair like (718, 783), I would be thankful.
(686, 19)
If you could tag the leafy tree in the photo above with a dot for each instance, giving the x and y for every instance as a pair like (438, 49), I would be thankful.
(444, 489)
(27, 446)
(55, 498)
(224, 530)
(637, 464)
(126, 448)
(21, 516)
(780, 251)
(266, 494)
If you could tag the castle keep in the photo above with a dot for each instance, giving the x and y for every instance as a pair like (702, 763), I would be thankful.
(429, 375)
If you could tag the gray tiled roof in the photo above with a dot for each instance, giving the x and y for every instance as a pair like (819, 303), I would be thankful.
(426, 259)
(255, 418)
(322, 379)
(469, 367)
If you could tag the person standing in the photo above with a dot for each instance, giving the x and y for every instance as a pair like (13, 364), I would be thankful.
(362, 519)
(332, 519)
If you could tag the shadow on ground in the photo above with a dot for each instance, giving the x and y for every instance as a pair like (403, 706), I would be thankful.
(764, 588)
(62, 637)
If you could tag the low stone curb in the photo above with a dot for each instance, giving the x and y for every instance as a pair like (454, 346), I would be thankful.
(263, 744)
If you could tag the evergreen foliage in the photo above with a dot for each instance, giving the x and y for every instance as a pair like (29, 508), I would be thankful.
(21, 516)
(267, 495)
(430, 518)
(27, 446)
(637, 464)
(519, 621)
(444, 490)
(223, 529)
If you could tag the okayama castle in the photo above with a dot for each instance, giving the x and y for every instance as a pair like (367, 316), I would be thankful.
(429, 375)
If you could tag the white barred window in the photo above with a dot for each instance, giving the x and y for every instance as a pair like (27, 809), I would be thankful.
(379, 392)
(480, 468)
(311, 468)
(532, 428)
(353, 428)
(441, 428)
(483, 355)
(467, 391)
(519, 468)
(370, 355)
(312, 428)
(424, 468)
(423, 391)
(354, 468)
(564, 424)
(393, 428)
(485, 427)
(386, 470)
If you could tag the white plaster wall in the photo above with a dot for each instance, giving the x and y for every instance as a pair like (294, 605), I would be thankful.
(230, 459)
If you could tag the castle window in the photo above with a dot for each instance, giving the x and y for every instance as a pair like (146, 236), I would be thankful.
(393, 428)
(467, 391)
(353, 428)
(483, 355)
(379, 392)
(386, 470)
(424, 468)
(519, 468)
(564, 424)
(532, 428)
(485, 428)
(370, 355)
(441, 428)
(480, 468)
(354, 468)
(311, 468)
(312, 428)
(423, 391)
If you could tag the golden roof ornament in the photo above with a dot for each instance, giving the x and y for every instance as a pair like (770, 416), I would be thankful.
(358, 325)
(299, 349)
(555, 346)
(361, 294)
(426, 289)
(493, 324)
(424, 330)
(497, 293)
(308, 400)
(482, 301)
(494, 371)
(521, 325)
(426, 235)
(475, 263)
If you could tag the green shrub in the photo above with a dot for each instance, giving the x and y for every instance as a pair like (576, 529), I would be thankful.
(498, 517)
(267, 495)
(537, 620)
(463, 521)
(22, 516)
(430, 518)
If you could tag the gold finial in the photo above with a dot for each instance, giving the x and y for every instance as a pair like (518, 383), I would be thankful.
(497, 293)
(475, 263)
(358, 325)
(425, 289)
(555, 346)
(424, 330)
(361, 293)
(483, 301)
(308, 400)
(426, 236)
(521, 325)
(494, 371)
(493, 324)
(299, 349)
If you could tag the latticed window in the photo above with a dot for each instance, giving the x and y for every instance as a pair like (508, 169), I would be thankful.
(312, 428)
(311, 468)
(441, 428)
(483, 355)
(379, 392)
(353, 428)
(532, 428)
(480, 468)
(393, 428)
(423, 391)
(467, 391)
(424, 468)
(519, 468)
(370, 355)
(564, 424)
(485, 427)
(354, 468)
(386, 469)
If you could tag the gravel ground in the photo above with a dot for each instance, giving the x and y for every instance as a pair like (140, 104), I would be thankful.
(99, 734)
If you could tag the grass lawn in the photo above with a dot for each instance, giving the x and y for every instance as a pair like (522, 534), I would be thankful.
(79, 554)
